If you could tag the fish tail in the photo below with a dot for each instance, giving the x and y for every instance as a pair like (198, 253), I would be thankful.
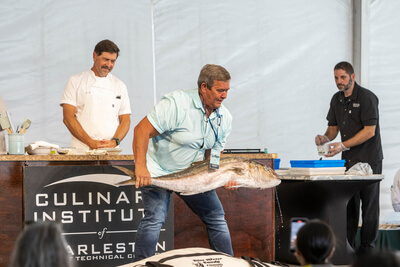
(127, 182)
(127, 172)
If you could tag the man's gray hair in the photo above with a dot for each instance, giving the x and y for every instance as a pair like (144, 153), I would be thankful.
(210, 72)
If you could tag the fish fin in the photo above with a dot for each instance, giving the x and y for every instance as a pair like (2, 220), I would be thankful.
(189, 193)
(196, 163)
(237, 170)
(237, 186)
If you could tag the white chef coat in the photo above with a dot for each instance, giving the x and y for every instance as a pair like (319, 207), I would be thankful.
(98, 101)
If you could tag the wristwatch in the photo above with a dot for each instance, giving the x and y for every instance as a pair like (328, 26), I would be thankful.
(116, 140)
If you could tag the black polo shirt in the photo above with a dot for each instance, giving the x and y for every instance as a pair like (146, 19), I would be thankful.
(351, 114)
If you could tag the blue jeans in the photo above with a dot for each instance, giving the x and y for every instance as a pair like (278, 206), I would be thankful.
(206, 205)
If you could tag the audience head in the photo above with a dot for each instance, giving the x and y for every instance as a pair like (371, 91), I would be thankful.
(315, 243)
(41, 244)
(382, 258)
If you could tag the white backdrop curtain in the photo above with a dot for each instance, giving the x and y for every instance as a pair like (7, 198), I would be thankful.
(280, 55)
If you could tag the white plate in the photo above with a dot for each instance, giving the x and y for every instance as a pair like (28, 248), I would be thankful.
(38, 150)
(112, 150)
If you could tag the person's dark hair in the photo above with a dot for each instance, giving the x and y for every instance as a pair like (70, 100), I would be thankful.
(382, 258)
(106, 46)
(41, 244)
(209, 73)
(346, 66)
(315, 241)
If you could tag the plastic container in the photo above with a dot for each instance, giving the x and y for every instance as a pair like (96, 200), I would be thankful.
(317, 171)
(323, 150)
(317, 163)
(276, 163)
(16, 144)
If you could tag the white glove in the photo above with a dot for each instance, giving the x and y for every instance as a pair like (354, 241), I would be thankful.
(321, 139)
(335, 148)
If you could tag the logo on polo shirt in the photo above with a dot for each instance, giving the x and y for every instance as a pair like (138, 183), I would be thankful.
(356, 105)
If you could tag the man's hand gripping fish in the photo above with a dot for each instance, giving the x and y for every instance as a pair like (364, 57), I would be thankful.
(200, 178)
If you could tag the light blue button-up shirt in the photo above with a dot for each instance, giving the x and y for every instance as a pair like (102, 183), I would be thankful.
(185, 132)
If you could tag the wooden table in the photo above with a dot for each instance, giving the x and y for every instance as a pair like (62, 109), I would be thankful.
(11, 189)
(250, 213)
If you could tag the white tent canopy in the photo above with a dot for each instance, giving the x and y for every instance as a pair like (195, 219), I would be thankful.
(280, 55)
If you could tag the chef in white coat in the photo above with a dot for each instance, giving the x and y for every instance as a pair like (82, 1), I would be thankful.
(96, 108)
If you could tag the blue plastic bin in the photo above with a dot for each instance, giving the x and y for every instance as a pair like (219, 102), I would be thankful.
(317, 163)
(276, 163)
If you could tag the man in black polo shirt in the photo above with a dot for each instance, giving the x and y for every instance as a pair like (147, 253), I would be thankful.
(354, 113)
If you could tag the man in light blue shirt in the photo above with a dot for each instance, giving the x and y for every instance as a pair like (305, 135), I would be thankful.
(184, 127)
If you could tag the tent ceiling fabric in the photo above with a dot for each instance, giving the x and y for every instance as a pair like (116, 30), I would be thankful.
(280, 55)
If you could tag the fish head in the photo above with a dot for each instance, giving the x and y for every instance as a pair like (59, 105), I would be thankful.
(263, 176)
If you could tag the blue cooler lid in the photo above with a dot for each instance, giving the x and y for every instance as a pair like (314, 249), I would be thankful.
(317, 163)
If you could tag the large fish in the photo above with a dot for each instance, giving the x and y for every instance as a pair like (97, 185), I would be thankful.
(200, 178)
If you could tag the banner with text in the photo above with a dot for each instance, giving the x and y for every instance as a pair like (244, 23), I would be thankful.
(99, 218)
